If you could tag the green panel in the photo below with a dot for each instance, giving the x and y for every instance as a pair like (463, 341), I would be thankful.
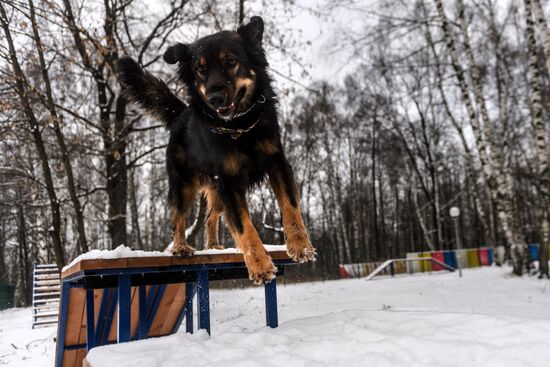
(6, 296)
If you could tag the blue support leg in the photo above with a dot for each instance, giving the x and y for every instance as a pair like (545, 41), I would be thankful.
(62, 324)
(142, 327)
(90, 319)
(272, 319)
(189, 295)
(203, 300)
(124, 308)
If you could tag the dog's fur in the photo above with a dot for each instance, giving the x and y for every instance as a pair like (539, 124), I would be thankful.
(226, 141)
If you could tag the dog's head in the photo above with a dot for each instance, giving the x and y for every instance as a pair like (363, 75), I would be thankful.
(221, 70)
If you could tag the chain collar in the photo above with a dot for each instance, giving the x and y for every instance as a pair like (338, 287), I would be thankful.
(236, 133)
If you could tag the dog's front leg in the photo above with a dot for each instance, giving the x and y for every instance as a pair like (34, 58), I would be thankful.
(281, 178)
(259, 264)
(180, 197)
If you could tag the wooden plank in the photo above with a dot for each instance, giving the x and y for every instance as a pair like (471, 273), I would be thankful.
(96, 264)
(162, 312)
(133, 262)
(134, 306)
(137, 262)
(176, 308)
(75, 316)
(69, 358)
(80, 355)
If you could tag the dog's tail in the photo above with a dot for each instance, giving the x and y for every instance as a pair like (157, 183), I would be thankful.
(148, 91)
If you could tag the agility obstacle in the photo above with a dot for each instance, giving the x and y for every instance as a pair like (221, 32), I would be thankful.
(45, 295)
(107, 301)
(412, 263)
(389, 264)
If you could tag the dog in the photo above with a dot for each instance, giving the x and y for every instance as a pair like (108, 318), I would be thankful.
(223, 142)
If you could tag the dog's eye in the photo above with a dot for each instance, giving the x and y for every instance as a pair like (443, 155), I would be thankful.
(201, 68)
(230, 61)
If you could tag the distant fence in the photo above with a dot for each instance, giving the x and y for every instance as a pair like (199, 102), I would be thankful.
(468, 258)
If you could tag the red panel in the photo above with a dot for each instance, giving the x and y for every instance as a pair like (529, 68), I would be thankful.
(343, 272)
(438, 255)
(484, 257)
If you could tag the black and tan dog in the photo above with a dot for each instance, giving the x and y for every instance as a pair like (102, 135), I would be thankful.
(224, 142)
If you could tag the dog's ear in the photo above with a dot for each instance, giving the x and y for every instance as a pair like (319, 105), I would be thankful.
(177, 53)
(252, 34)
(253, 31)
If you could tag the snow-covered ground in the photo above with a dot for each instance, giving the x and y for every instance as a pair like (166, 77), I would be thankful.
(487, 318)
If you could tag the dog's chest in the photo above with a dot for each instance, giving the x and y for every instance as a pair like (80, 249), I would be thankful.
(220, 156)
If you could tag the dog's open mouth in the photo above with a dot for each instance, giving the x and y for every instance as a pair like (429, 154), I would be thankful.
(228, 112)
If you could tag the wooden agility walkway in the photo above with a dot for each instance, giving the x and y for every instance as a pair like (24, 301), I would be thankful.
(141, 297)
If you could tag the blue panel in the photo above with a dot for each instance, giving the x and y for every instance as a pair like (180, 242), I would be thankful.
(62, 324)
(90, 319)
(450, 258)
(142, 321)
(272, 319)
(534, 251)
(124, 308)
(203, 300)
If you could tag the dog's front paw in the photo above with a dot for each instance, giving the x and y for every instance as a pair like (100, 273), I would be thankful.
(215, 246)
(182, 250)
(300, 249)
(260, 268)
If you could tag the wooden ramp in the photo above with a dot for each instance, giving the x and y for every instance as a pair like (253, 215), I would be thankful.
(45, 295)
(141, 297)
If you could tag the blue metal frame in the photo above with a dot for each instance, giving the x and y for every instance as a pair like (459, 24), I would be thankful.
(187, 312)
(142, 330)
(62, 326)
(121, 295)
(124, 308)
(203, 300)
(271, 316)
(90, 331)
(154, 304)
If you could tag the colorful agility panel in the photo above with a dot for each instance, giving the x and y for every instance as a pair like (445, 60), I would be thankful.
(534, 251)
(413, 266)
(473, 258)
(484, 257)
(438, 255)
(462, 259)
(425, 265)
(450, 258)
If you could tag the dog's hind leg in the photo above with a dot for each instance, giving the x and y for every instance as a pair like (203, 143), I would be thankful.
(281, 178)
(180, 197)
(215, 210)
(259, 264)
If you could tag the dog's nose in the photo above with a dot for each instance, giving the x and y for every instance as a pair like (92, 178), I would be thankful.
(217, 100)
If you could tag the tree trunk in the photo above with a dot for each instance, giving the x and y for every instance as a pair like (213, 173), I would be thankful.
(544, 32)
(540, 132)
(82, 242)
(23, 94)
(134, 212)
(499, 182)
